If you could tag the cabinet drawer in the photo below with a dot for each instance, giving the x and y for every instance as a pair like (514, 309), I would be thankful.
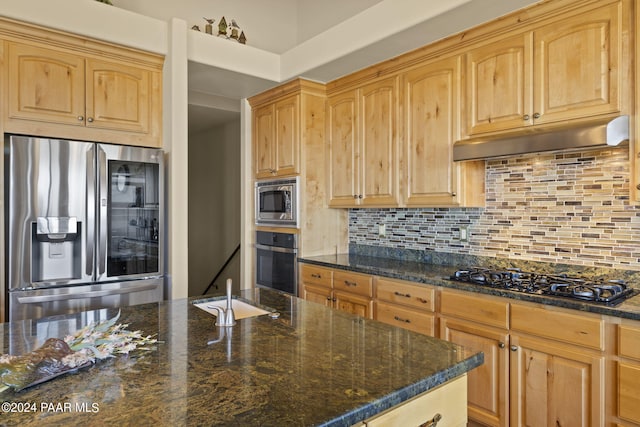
(481, 309)
(406, 318)
(629, 392)
(356, 283)
(398, 292)
(629, 344)
(564, 327)
(447, 402)
(313, 274)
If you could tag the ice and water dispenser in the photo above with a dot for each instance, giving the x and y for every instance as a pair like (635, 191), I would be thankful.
(56, 249)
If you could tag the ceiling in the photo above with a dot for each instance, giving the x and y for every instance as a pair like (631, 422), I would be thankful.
(230, 87)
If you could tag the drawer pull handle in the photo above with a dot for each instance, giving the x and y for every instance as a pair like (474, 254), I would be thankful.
(316, 276)
(433, 422)
(400, 294)
(424, 301)
(348, 283)
(400, 319)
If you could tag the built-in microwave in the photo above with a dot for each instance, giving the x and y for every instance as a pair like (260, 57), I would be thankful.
(277, 202)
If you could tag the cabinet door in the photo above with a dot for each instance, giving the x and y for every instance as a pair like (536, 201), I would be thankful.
(488, 397)
(577, 66)
(318, 294)
(557, 385)
(629, 391)
(342, 150)
(264, 141)
(430, 120)
(118, 96)
(354, 304)
(499, 85)
(287, 134)
(407, 318)
(45, 85)
(378, 108)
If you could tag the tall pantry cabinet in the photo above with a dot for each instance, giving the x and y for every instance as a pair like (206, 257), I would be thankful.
(288, 124)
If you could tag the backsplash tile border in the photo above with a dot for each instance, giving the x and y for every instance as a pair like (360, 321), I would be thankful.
(566, 208)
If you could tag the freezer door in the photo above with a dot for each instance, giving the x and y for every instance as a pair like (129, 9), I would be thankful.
(49, 189)
(34, 304)
(130, 213)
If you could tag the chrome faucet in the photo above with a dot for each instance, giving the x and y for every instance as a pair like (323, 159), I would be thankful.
(226, 317)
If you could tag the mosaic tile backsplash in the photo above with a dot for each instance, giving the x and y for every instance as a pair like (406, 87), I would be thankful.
(570, 208)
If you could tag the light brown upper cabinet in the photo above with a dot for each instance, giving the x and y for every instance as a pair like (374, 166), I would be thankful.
(362, 145)
(61, 92)
(277, 138)
(431, 116)
(566, 70)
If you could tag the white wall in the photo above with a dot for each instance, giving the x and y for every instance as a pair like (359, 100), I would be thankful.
(270, 25)
(214, 205)
(315, 17)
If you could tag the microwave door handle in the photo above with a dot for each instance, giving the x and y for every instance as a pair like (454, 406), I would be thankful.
(89, 226)
(102, 210)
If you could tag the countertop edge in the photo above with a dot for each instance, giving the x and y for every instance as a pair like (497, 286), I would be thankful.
(441, 281)
(405, 394)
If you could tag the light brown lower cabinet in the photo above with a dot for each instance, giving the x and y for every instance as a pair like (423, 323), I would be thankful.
(543, 365)
(628, 374)
(346, 291)
(442, 406)
(406, 305)
(481, 323)
(557, 367)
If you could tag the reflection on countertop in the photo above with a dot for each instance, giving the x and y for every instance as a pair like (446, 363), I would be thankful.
(296, 369)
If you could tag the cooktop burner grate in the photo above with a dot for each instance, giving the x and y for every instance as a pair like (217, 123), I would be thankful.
(598, 291)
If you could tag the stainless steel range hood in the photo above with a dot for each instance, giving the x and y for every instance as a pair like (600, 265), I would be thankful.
(613, 132)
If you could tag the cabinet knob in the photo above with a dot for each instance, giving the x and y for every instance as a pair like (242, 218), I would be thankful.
(514, 348)
(355, 196)
(536, 115)
(501, 345)
(638, 186)
(359, 196)
(526, 117)
(90, 119)
(80, 118)
(433, 422)
(328, 298)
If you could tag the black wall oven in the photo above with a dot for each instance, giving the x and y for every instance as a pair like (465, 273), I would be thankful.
(276, 261)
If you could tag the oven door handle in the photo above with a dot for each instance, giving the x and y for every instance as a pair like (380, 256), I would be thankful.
(276, 249)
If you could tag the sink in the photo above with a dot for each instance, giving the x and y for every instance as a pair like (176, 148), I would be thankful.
(241, 309)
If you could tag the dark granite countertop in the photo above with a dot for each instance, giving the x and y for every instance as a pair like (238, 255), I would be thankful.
(310, 366)
(437, 275)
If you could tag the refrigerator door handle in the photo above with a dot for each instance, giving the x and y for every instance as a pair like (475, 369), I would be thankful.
(102, 211)
(80, 295)
(91, 211)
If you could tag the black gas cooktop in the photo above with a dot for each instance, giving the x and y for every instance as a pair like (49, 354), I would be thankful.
(607, 292)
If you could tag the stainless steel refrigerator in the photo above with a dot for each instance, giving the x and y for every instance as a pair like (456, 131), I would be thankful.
(84, 226)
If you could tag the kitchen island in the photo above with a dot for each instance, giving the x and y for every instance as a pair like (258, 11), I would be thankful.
(311, 365)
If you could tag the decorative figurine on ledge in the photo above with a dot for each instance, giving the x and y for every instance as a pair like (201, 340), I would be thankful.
(234, 30)
(195, 28)
(222, 28)
(208, 28)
